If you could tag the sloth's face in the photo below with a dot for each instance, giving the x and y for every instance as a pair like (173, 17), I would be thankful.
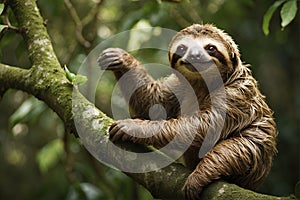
(200, 56)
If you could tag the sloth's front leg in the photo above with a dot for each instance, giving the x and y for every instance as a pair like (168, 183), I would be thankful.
(181, 132)
(135, 130)
(116, 59)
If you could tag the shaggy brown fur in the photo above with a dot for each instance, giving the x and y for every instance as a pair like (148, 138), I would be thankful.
(240, 120)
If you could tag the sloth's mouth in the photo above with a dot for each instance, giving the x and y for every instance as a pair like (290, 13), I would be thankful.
(197, 66)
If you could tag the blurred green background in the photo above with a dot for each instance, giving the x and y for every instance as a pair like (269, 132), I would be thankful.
(39, 161)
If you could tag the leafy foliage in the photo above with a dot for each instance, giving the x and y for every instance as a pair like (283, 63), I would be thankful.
(29, 111)
(288, 13)
(50, 155)
(84, 191)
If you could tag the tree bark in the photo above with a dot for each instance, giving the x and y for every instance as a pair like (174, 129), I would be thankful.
(47, 81)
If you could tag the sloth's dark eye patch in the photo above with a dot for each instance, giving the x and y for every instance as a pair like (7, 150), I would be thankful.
(181, 50)
(213, 52)
(211, 48)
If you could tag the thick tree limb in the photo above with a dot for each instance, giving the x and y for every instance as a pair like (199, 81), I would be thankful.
(34, 32)
(47, 81)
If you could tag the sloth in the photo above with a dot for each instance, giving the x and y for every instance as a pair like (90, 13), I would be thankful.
(210, 102)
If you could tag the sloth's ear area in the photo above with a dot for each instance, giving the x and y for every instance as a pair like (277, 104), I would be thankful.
(234, 59)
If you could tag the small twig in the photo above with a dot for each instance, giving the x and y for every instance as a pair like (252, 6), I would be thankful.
(194, 16)
(179, 18)
(93, 14)
(69, 159)
(85, 41)
(106, 185)
(7, 23)
(78, 23)
(6, 20)
(92, 18)
(81, 39)
(73, 12)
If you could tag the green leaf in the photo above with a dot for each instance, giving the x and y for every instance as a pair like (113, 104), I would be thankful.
(1, 7)
(288, 12)
(84, 191)
(29, 111)
(269, 14)
(80, 79)
(50, 154)
(70, 76)
(76, 79)
(2, 27)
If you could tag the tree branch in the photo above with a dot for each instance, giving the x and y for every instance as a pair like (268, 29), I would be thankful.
(47, 81)
(34, 32)
(79, 25)
(93, 13)
(8, 75)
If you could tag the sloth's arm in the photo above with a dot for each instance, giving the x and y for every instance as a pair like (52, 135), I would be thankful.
(226, 118)
(186, 130)
(190, 129)
(157, 133)
(138, 87)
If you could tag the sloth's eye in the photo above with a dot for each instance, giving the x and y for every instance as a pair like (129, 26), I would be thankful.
(181, 50)
(211, 48)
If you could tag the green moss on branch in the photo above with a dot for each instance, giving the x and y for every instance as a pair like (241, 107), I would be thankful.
(34, 32)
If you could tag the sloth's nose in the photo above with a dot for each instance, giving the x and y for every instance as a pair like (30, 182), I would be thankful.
(195, 55)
